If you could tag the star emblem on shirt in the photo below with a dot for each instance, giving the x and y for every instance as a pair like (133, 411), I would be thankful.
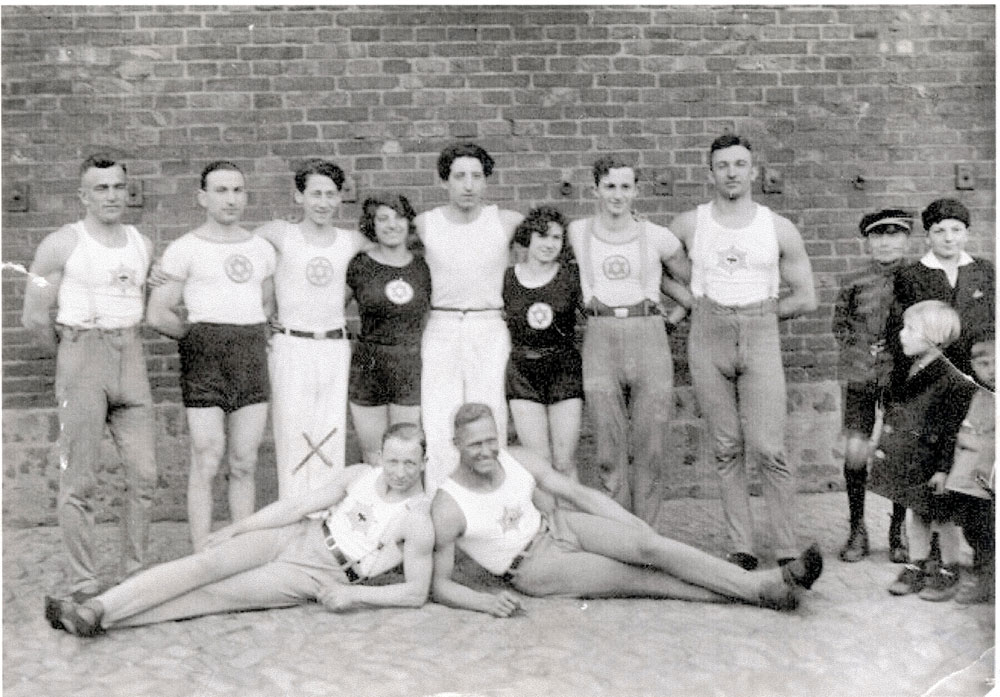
(616, 267)
(510, 519)
(732, 259)
(361, 517)
(123, 278)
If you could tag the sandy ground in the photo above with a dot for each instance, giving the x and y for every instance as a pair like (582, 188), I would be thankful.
(849, 637)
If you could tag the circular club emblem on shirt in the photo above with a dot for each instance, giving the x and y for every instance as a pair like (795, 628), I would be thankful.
(540, 316)
(399, 291)
(319, 271)
(616, 267)
(239, 268)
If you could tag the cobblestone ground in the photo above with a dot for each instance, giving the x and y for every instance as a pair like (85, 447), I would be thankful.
(848, 638)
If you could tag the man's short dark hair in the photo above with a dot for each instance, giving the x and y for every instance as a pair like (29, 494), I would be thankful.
(537, 223)
(407, 432)
(727, 140)
(396, 202)
(457, 150)
(323, 168)
(605, 164)
(945, 209)
(886, 222)
(101, 160)
(471, 412)
(223, 165)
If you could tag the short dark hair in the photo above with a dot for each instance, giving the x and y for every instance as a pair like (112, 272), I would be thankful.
(471, 412)
(886, 222)
(605, 164)
(323, 168)
(396, 202)
(101, 160)
(727, 140)
(457, 150)
(537, 223)
(408, 432)
(224, 165)
(944, 209)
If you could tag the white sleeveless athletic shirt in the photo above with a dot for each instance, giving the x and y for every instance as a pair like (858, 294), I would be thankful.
(498, 524)
(467, 261)
(735, 266)
(103, 286)
(366, 527)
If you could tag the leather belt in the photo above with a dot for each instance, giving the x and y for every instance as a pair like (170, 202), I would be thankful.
(643, 309)
(509, 574)
(345, 564)
(332, 334)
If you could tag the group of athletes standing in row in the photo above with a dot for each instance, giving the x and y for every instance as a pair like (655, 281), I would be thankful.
(448, 338)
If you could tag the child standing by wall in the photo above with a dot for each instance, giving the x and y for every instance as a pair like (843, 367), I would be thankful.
(922, 417)
(859, 325)
(970, 484)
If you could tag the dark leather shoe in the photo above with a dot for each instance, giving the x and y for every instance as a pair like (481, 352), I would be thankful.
(71, 617)
(804, 571)
(911, 580)
(856, 547)
(742, 559)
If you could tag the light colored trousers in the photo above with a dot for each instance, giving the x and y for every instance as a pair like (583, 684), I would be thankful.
(101, 380)
(464, 357)
(734, 355)
(308, 399)
(278, 567)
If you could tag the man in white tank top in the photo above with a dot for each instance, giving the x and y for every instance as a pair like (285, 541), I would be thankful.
(741, 252)
(310, 354)
(598, 550)
(372, 519)
(465, 344)
(94, 270)
(628, 371)
(224, 275)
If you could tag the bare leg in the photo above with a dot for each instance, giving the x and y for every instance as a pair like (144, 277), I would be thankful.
(246, 429)
(400, 414)
(531, 421)
(208, 443)
(369, 424)
(564, 428)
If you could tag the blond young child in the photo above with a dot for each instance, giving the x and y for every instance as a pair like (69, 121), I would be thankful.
(924, 410)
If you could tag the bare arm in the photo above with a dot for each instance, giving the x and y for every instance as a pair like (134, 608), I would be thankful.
(583, 497)
(161, 312)
(291, 510)
(268, 298)
(449, 524)
(675, 283)
(795, 270)
(39, 297)
(418, 565)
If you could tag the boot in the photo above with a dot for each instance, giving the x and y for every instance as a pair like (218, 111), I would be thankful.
(856, 547)
(899, 552)
(911, 579)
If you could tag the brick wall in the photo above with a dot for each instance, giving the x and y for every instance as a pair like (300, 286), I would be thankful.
(856, 107)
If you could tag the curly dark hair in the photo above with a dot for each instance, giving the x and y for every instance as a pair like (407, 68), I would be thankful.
(323, 168)
(396, 202)
(457, 150)
(537, 223)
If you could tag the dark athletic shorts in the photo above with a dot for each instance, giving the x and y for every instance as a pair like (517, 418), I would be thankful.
(861, 399)
(224, 365)
(545, 376)
(384, 374)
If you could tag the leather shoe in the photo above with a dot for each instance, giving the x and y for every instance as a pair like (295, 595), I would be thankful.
(71, 617)
(742, 559)
(806, 569)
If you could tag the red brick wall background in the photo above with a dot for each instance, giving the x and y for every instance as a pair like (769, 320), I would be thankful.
(856, 107)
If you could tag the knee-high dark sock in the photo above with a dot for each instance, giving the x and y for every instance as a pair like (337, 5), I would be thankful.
(855, 480)
(898, 516)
